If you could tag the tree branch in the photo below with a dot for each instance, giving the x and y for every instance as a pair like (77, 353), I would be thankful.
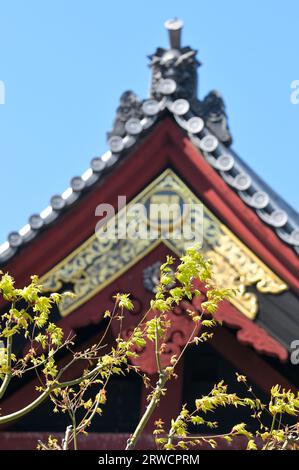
(27, 409)
(132, 441)
(8, 375)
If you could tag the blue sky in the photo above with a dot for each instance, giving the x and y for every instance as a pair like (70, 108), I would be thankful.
(66, 62)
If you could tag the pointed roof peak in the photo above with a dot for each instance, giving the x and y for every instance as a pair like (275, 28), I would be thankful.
(174, 92)
(176, 66)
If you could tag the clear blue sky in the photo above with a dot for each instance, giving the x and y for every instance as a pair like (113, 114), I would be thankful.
(66, 62)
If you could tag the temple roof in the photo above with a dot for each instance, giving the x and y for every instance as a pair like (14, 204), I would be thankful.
(173, 92)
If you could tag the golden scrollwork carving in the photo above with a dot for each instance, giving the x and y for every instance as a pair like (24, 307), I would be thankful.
(100, 260)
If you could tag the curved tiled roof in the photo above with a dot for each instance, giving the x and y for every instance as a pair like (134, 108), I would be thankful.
(173, 89)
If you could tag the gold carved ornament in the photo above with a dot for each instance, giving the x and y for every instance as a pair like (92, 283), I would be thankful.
(100, 260)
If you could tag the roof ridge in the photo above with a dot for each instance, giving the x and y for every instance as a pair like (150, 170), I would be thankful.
(173, 88)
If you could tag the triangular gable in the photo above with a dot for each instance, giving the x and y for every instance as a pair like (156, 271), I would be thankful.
(168, 147)
(128, 237)
(257, 244)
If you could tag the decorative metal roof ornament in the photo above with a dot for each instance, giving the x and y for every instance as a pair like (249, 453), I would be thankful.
(151, 277)
(174, 71)
(177, 63)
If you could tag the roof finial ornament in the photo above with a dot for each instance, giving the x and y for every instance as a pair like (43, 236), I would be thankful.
(174, 68)
(174, 27)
